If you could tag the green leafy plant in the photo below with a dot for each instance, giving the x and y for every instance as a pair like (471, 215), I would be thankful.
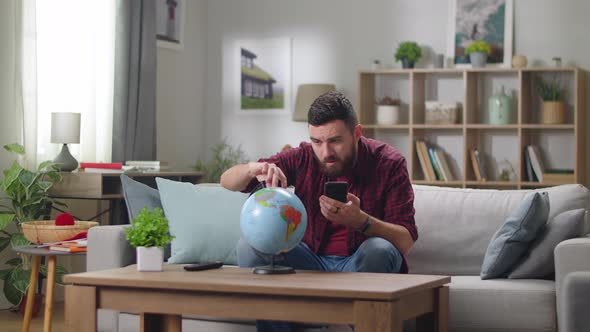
(408, 50)
(478, 46)
(224, 157)
(149, 229)
(26, 198)
(550, 90)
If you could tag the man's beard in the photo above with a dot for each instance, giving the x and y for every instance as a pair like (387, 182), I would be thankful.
(340, 166)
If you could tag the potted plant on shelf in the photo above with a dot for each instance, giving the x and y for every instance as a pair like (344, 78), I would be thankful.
(478, 52)
(388, 111)
(26, 198)
(409, 53)
(149, 233)
(553, 108)
(224, 157)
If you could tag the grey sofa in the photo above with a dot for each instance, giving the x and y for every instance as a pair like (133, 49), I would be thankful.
(455, 227)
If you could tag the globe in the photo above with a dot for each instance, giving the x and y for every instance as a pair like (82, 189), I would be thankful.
(273, 220)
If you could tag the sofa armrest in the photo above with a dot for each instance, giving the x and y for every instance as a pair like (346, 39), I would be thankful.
(570, 256)
(108, 248)
(576, 294)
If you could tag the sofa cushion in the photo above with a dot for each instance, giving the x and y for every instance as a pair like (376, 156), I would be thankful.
(456, 224)
(501, 305)
(539, 261)
(512, 240)
(205, 220)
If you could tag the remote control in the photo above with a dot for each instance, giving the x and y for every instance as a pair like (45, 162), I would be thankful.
(203, 266)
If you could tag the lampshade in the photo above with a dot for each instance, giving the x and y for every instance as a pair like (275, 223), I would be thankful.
(65, 127)
(306, 94)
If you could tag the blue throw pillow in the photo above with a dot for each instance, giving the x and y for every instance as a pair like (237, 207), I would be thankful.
(513, 238)
(205, 220)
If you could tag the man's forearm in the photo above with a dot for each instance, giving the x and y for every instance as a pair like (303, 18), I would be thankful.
(236, 178)
(398, 235)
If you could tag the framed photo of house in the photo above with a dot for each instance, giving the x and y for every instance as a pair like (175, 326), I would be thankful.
(170, 16)
(262, 75)
(487, 20)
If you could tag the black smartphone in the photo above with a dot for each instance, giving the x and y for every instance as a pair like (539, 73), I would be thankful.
(336, 190)
(203, 266)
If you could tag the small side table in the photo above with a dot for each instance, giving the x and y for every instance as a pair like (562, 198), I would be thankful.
(51, 262)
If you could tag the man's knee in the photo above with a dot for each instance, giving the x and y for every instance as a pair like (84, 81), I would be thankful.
(247, 257)
(378, 255)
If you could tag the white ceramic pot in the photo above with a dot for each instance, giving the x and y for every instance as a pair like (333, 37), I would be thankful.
(388, 114)
(478, 59)
(149, 258)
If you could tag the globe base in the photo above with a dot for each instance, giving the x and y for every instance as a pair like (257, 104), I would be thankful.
(273, 269)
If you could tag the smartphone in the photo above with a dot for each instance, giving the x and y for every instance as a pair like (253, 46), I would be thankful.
(337, 190)
(203, 266)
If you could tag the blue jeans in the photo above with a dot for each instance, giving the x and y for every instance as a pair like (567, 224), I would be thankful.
(373, 255)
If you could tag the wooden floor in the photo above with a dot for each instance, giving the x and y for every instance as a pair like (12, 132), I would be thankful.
(13, 322)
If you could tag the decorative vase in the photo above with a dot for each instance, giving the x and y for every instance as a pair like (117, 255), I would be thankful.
(478, 59)
(388, 114)
(37, 302)
(149, 259)
(519, 61)
(407, 63)
(499, 108)
(553, 112)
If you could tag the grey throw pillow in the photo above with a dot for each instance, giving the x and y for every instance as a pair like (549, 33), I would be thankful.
(139, 195)
(539, 262)
(512, 240)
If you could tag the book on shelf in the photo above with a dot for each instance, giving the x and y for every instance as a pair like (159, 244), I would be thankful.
(435, 164)
(536, 162)
(100, 170)
(444, 166)
(428, 169)
(477, 165)
(559, 175)
(529, 174)
(423, 161)
(148, 164)
(101, 165)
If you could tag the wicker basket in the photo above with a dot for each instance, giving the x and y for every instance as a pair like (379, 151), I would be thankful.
(441, 113)
(46, 231)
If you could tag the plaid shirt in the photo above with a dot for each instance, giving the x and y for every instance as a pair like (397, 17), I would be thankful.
(379, 179)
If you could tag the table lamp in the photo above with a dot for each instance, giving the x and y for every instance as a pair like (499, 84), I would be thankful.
(306, 94)
(65, 128)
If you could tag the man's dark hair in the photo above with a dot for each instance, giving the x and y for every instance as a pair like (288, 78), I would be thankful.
(332, 106)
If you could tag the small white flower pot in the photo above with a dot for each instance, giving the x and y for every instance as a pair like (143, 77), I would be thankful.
(149, 258)
(388, 114)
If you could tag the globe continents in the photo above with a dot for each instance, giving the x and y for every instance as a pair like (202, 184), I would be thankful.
(273, 220)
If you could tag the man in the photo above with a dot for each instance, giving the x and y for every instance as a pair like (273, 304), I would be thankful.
(373, 231)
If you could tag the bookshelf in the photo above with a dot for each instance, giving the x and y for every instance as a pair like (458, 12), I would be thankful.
(562, 146)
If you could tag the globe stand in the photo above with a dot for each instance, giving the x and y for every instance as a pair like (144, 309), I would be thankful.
(272, 268)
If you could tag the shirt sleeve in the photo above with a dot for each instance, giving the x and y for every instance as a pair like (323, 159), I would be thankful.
(399, 204)
(286, 161)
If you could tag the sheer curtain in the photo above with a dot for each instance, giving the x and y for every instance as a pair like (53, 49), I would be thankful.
(68, 66)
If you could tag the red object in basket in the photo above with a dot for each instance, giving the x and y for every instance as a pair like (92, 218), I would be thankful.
(64, 219)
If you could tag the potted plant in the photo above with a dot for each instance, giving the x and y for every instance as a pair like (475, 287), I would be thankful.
(478, 52)
(553, 108)
(388, 111)
(26, 198)
(224, 157)
(409, 53)
(149, 233)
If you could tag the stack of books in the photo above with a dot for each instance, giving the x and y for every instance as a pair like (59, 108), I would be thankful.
(433, 162)
(101, 167)
(69, 246)
(147, 165)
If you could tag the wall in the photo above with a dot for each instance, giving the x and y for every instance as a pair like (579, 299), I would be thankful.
(181, 92)
(333, 39)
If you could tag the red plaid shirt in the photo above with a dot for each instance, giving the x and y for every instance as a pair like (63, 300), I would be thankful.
(379, 179)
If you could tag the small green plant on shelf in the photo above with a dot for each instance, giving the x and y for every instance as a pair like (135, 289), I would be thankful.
(149, 229)
(478, 46)
(549, 90)
(388, 101)
(409, 53)
(224, 157)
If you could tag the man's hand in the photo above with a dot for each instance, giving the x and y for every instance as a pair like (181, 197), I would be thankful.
(348, 214)
(270, 173)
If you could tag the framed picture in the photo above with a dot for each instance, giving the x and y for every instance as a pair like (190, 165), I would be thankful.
(170, 23)
(487, 20)
(262, 75)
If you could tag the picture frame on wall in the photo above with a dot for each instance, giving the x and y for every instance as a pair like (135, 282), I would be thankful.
(170, 15)
(261, 75)
(487, 20)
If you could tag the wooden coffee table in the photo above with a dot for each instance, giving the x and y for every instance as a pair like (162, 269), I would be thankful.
(371, 301)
